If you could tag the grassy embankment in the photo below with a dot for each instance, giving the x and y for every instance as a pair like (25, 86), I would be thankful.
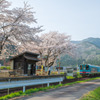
(92, 95)
(28, 92)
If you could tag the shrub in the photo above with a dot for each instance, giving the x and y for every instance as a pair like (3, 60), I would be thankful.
(8, 67)
(62, 73)
(5, 67)
(54, 73)
(69, 77)
(78, 75)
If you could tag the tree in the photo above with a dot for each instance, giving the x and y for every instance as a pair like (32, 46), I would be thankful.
(52, 46)
(15, 25)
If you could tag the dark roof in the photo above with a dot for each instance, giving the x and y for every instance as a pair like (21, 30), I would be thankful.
(31, 53)
(26, 52)
(31, 58)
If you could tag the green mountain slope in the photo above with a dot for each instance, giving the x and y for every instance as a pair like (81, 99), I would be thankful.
(87, 51)
(94, 41)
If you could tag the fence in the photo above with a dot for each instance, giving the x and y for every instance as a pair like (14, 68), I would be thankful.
(23, 83)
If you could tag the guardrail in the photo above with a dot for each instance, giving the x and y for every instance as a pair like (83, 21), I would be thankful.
(30, 82)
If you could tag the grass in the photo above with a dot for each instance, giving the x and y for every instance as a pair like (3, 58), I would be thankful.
(92, 95)
(29, 91)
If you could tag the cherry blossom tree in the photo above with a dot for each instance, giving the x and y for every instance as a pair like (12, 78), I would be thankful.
(52, 46)
(15, 25)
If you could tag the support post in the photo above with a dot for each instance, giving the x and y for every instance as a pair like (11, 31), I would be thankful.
(23, 88)
(8, 90)
(60, 82)
(47, 84)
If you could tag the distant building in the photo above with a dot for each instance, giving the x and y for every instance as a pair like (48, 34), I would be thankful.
(25, 63)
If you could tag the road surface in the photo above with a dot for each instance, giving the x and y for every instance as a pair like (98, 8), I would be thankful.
(73, 92)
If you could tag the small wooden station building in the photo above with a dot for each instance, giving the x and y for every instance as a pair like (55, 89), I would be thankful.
(25, 63)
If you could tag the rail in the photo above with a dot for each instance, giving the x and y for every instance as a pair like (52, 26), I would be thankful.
(24, 83)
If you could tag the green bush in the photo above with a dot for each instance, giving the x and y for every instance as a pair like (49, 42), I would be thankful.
(2, 67)
(69, 77)
(5, 67)
(78, 75)
(62, 73)
(8, 67)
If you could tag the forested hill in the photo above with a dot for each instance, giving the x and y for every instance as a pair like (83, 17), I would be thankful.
(87, 51)
(94, 41)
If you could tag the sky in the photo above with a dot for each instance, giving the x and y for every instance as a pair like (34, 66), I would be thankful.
(78, 18)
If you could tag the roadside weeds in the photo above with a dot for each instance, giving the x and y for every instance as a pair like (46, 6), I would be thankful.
(92, 95)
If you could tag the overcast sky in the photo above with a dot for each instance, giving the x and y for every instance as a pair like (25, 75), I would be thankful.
(78, 18)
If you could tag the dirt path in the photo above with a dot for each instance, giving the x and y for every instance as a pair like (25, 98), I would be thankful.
(65, 93)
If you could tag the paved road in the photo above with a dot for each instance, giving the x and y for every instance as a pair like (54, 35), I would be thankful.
(65, 93)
